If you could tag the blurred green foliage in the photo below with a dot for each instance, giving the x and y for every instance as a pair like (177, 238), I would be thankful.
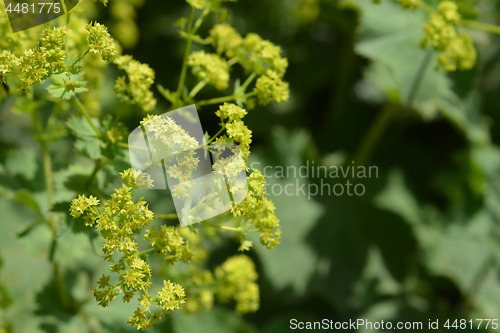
(421, 243)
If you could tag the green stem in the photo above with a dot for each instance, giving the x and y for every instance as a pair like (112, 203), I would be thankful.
(97, 167)
(223, 99)
(146, 251)
(481, 26)
(47, 163)
(197, 88)
(126, 146)
(61, 285)
(165, 217)
(78, 60)
(186, 52)
(216, 135)
(63, 4)
(426, 7)
(47, 168)
(200, 19)
(232, 61)
(248, 81)
(86, 115)
(222, 227)
(374, 134)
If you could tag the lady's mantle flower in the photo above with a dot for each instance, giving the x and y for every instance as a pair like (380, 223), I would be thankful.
(100, 41)
(210, 68)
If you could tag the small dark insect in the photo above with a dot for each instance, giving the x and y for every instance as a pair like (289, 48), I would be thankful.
(6, 87)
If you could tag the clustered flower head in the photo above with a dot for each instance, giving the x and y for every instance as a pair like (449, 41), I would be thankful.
(456, 48)
(230, 112)
(169, 244)
(210, 68)
(173, 148)
(136, 89)
(236, 280)
(117, 221)
(213, 5)
(270, 87)
(256, 55)
(136, 179)
(410, 4)
(7, 62)
(261, 55)
(260, 211)
(225, 39)
(236, 129)
(100, 42)
(45, 59)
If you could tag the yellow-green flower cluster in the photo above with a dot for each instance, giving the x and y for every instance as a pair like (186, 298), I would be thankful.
(236, 129)
(262, 55)
(117, 221)
(230, 112)
(213, 5)
(255, 55)
(260, 211)
(124, 27)
(270, 87)
(456, 48)
(136, 179)
(82, 204)
(199, 288)
(171, 297)
(210, 68)
(100, 42)
(173, 146)
(47, 58)
(225, 39)
(7, 62)
(136, 89)
(410, 4)
(236, 280)
(168, 243)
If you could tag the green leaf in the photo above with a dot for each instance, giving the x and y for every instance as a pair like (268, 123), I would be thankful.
(215, 320)
(22, 163)
(58, 88)
(27, 198)
(88, 143)
(81, 128)
(406, 73)
(297, 215)
(91, 148)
